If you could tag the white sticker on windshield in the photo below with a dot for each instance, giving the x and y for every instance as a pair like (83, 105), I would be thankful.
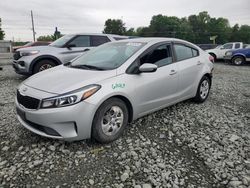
(133, 44)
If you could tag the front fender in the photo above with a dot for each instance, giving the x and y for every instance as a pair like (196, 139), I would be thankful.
(43, 57)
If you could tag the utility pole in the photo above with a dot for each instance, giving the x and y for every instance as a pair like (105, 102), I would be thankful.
(33, 28)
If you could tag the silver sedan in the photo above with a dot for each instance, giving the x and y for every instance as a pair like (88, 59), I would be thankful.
(99, 93)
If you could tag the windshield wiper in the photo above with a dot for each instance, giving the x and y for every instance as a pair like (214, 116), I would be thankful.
(87, 67)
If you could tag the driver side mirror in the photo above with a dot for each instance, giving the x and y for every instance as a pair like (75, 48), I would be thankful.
(69, 46)
(148, 67)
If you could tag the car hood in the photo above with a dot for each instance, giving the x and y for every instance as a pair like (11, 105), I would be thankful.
(39, 48)
(62, 79)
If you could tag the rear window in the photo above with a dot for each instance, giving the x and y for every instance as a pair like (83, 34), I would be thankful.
(237, 45)
(99, 40)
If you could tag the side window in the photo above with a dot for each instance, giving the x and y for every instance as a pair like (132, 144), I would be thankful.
(195, 53)
(119, 38)
(81, 41)
(98, 40)
(183, 52)
(237, 45)
(227, 46)
(160, 56)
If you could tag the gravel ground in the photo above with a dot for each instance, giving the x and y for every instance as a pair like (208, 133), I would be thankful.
(185, 145)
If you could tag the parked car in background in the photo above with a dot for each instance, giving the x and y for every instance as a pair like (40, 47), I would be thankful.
(238, 57)
(30, 44)
(98, 93)
(219, 53)
(31, 60)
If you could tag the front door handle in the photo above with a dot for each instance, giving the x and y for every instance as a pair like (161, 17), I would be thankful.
(172, 72)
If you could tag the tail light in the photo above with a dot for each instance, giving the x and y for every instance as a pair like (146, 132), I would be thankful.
(211, 58)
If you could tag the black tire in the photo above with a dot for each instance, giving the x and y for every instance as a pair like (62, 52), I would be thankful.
(199, 98)
(43, 64)
(214, 56)
(238, 60)
(97, 130)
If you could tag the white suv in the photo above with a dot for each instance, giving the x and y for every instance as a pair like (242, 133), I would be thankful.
(31, 60)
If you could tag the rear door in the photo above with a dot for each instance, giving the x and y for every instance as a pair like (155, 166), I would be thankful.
(189, 66)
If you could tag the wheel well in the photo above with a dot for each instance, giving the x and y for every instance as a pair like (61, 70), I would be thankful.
(239, 56)
(44, 58)
(210, 77)
(213, 54)
(128, 104)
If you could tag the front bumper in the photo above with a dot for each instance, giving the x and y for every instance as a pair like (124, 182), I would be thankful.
(20, 67)
(68, 123)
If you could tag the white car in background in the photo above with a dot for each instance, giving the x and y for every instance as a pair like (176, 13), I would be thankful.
(32, 60)
(220, 51)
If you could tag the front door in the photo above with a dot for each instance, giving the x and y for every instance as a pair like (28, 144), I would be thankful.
(157, 89)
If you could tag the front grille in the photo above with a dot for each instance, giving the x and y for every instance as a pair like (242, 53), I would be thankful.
(16, 55)
(27, 102)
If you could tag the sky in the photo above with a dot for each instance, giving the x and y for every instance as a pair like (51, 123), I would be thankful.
(89, 16)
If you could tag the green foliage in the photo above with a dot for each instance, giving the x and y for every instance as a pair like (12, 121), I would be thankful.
(196, 28)
(114, 26)
(1, 31)
(49, 38)
(19, 43)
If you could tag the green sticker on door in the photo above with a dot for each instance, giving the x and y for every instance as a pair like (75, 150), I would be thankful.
(118, 85)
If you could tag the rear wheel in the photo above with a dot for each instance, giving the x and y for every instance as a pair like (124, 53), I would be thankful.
(43, 65)
(110, 120)
(238, 60)
(203, 90)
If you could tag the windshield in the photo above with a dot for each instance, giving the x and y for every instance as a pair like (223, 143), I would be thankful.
(108, 56)
(28, 44)
(62, 41)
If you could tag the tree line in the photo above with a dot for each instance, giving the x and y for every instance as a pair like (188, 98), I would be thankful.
(198, 29)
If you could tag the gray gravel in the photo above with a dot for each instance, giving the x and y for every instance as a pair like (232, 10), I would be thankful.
(185, 145)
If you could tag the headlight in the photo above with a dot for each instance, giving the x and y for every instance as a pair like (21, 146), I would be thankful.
(70, 98)
(28, 53)
(228, 53)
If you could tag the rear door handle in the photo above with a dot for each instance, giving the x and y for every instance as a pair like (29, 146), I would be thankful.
(172, 72)
(198, 63)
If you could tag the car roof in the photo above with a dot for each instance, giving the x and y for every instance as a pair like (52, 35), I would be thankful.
(100, 34)
(154, 40)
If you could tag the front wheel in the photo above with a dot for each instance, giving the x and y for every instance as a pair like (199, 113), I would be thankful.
(43, 65)
(110, 120)
(203, 90)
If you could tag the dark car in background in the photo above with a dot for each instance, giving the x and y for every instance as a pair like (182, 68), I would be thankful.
(30, 44)
(238, 57)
